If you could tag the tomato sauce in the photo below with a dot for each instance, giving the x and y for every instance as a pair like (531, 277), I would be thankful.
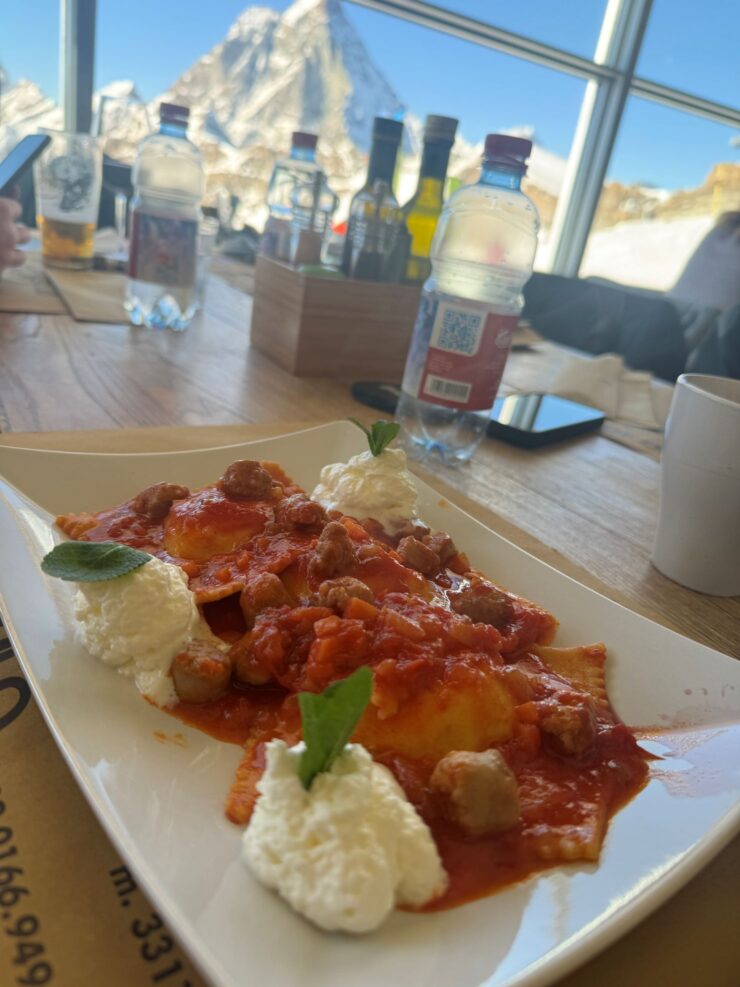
(562, 797)
(441, 680)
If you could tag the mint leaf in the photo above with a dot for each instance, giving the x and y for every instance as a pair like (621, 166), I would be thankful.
(382, 434)
(329, 719)
(92, 561)
(379, 435)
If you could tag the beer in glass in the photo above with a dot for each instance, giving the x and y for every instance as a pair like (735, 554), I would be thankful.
(67, 177)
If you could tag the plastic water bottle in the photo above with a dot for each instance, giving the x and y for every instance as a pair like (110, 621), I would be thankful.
(482, 256)
(299, 168)
(314, 204)
(165, 214)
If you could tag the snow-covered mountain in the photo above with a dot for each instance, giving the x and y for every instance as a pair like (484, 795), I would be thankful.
(304, 69)
(23, 109)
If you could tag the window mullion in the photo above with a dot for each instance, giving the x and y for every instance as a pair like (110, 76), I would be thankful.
(601, 112)
(77, 63)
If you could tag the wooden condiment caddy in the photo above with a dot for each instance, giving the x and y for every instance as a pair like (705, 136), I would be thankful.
(324, 327)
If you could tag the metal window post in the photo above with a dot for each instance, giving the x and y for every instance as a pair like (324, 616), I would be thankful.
(601, 112)
(77, 63)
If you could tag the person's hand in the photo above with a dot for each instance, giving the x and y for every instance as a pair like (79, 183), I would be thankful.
(12, 234)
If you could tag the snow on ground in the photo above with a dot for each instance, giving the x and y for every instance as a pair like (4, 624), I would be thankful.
(646, 253)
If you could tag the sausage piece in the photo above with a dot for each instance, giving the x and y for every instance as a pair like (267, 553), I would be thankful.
(155, 502)
(246, 479)
(412, 529)
(442, 545)
(246, 669)
(202, 673)
(483, 603)
(481, 791)
(264, 591)
(572, 727)
(298, 511)
(334, 552)
(416, 555)
(336, 593)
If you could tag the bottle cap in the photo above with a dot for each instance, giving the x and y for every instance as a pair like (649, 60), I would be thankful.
(173, 113)
(439, 128)
(385, 129)
(507, 150)
(302, 138)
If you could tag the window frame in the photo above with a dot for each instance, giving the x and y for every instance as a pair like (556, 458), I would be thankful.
(609, 76)
(610, 80)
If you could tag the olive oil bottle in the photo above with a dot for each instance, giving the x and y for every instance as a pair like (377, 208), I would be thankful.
(422, 211)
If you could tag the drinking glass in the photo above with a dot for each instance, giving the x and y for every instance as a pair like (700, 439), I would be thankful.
(67, 177)
(698, 536)
(207, 234)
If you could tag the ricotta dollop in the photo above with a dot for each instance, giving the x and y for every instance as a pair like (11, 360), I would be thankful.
(347, 850)
(379, 487)
(137, 623)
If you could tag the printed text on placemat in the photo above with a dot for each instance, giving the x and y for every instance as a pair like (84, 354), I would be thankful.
(19, 925)
(155, 945)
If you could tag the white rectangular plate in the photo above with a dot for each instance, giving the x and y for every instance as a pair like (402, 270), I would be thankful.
(162, 805)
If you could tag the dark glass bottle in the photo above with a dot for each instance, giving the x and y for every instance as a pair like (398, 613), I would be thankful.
(374, 213)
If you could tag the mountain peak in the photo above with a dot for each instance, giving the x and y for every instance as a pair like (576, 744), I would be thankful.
(253, 19)
(304, 69)
(303, 8)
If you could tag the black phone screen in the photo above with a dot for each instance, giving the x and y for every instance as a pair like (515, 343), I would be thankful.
(528, 420)
(22, 155)
(535, 419)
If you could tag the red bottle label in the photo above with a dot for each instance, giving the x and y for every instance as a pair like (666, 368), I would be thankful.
(163, 250)
(468, 347)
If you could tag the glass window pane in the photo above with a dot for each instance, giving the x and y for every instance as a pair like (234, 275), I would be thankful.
(252, 76)
(671, 177)
(487, 91)
(694, 47)
(29, 68)
(573, 26)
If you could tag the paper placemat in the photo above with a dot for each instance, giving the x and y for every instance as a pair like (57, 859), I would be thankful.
(71, 915)
(91, 296)
(86, 914)
(26, 289)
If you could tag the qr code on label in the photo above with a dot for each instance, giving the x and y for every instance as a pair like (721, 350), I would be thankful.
(458, 332)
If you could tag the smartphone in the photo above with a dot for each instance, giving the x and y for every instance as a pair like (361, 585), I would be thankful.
(20, 158)
(528, 420)
(532, 420)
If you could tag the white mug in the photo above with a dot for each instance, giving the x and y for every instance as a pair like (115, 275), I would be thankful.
(697, 542)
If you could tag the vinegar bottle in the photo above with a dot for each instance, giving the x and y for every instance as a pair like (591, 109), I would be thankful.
(482, 256)
(374, 214)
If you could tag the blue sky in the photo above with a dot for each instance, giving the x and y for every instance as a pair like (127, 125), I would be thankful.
(153, 42)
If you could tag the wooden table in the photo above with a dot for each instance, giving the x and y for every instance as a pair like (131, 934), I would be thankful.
(586, 506)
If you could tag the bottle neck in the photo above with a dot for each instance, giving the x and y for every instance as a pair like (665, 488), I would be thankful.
(495, 173)
(434, 160)
(171, 129)
(382, 162)
(303, 153)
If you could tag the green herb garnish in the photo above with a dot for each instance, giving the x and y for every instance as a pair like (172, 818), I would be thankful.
(92, 561)
(329, 719)
(379, 435)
